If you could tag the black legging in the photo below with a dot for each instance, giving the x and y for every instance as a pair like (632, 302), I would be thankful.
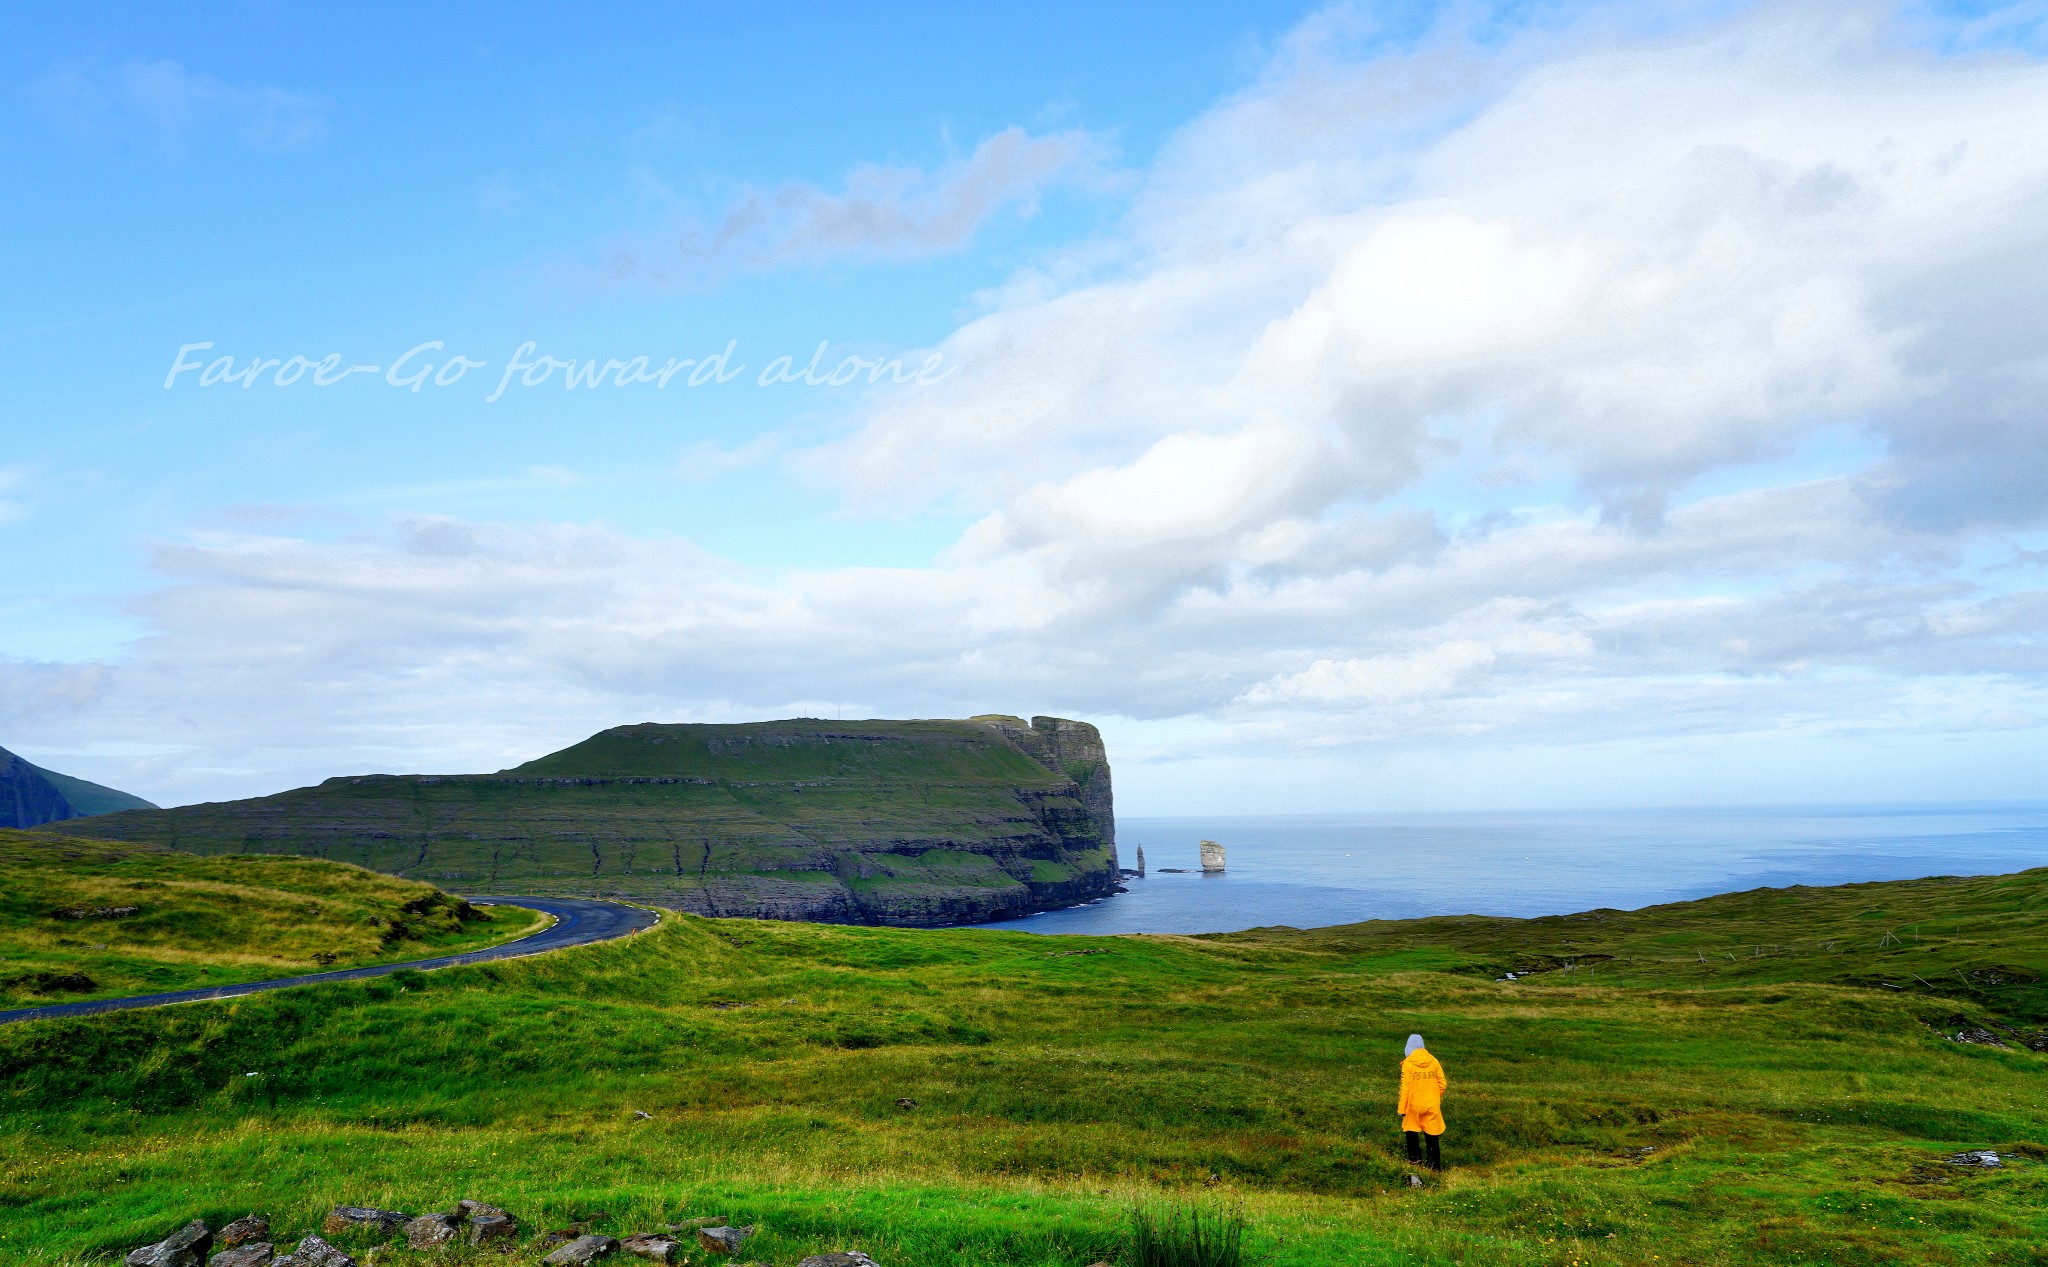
(1436, 1152)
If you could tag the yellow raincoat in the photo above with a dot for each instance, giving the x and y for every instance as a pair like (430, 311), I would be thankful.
(1422, 1093)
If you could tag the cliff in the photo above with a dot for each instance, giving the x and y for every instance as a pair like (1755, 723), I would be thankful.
(873, 822)
(31, 795)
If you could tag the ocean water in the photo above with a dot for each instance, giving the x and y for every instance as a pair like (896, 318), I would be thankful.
(1312, 870)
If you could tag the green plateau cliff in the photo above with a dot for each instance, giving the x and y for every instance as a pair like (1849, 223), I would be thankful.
(868, 822)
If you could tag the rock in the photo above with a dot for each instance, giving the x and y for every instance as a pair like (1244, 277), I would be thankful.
(1415, 1181)
(250, 1227)
(582, 1250)
(253, 1254)
(429, 1230)
(1976, 1157)
(692, 1224)
(563, 1235)
(185, 1247)
(643, 1115)
(653, 1246)
(359, 1218)
(487, 1223)
(905, 1102)
(314, 1252)
(723, 1240)
(1212, 856)
(1981, 1037)
(838, 1258)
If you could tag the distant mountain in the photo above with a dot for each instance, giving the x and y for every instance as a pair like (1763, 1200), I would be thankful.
(31, 795)
(869, 822)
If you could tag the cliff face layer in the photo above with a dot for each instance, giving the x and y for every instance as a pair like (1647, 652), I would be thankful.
(31, 795)
(876, 822)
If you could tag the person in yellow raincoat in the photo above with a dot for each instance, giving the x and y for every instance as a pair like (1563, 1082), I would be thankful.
(1422, 1102)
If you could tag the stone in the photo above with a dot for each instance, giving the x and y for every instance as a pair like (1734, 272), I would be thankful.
(643, 1115)
(582, 1250)
(652, 1246)
(1976, 1157)
(487, 1223)
(314, 1252)
(838, 1258)
(250, 1227)
(185, 1247)
(1415, 1181)
(1212, 856)
(563, 1235)
(429, 1230)
(362, 1218)
(253, 1254)
(905, 1102)
(724, 1239)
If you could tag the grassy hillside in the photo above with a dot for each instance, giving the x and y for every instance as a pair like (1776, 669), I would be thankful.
(1640, 1109)
(84, 919)
(920, 822)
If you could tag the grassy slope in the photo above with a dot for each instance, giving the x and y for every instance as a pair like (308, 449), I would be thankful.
(207, 921)
(926, 821)
(1792, 1120)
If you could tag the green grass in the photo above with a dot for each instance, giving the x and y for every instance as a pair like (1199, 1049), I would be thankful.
(1780, 1107)
(143, 919)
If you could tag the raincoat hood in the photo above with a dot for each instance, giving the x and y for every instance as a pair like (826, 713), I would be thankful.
(1414, 1044)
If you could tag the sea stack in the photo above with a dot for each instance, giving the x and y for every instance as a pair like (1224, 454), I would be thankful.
(1212, 857)
(1141, 862)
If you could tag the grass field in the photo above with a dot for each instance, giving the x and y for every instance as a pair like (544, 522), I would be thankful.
(1734, 1081)
(85, 919)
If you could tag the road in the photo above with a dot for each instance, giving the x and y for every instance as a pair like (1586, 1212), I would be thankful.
(578, 922)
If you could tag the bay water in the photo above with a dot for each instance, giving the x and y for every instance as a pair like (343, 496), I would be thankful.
(1314, 870)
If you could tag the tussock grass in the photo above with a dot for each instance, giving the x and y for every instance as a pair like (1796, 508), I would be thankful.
(1748, 1117)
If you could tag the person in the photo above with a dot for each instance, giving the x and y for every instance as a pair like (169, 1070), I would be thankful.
(1422, 1102)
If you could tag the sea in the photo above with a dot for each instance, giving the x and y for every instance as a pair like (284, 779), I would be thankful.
(1308, 871)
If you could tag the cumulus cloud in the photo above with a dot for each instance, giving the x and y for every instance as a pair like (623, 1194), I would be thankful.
(1474, 392)
(176, 107)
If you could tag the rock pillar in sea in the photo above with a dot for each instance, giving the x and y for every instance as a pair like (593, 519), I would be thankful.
(1141, 862)
(1212, 856)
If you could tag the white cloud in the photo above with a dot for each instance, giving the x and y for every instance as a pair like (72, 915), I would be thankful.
(896, 212)
(883, 213)
(1425, 400)
(11, 510)
(176, 107)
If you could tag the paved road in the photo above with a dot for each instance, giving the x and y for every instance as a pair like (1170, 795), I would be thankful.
(578, 922)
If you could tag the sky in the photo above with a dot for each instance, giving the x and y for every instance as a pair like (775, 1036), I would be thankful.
(1377, 407)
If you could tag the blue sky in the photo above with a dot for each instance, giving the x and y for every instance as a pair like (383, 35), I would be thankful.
(1349, 408)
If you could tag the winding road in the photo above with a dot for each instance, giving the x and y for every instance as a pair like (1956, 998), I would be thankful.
(578, 922)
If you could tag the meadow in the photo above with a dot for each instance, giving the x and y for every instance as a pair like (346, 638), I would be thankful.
(1761, 1078)
(88, 919)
